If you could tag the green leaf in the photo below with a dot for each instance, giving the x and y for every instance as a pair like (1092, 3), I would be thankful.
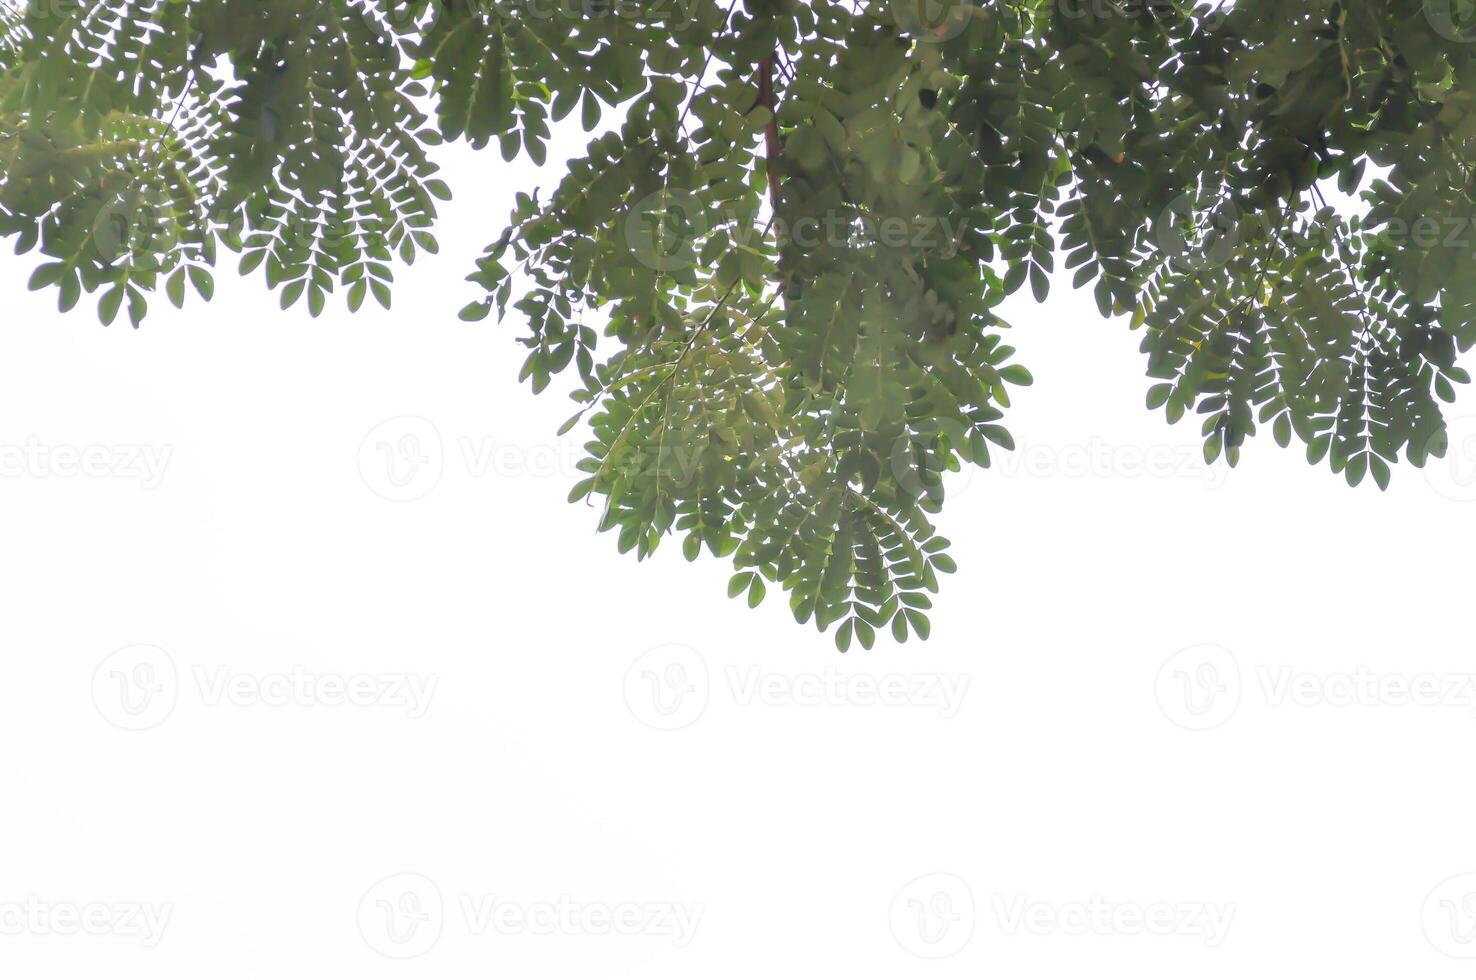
(738, 583)
(474, 312)
(109, 304)
(780, 373)
(293, 293)
(203, 281)
(175, 288)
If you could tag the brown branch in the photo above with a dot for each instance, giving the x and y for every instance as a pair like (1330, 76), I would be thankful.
(771, 131)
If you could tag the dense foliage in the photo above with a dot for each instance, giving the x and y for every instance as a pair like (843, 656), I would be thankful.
(794, 233)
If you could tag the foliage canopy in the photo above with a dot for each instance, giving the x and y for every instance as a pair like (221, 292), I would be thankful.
(799, 223)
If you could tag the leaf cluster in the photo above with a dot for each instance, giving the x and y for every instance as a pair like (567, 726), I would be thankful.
(774, 275)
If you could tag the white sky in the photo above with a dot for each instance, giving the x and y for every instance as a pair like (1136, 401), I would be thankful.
(1062, 776)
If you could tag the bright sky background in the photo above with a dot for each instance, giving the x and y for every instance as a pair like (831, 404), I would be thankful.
(1087, 560)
